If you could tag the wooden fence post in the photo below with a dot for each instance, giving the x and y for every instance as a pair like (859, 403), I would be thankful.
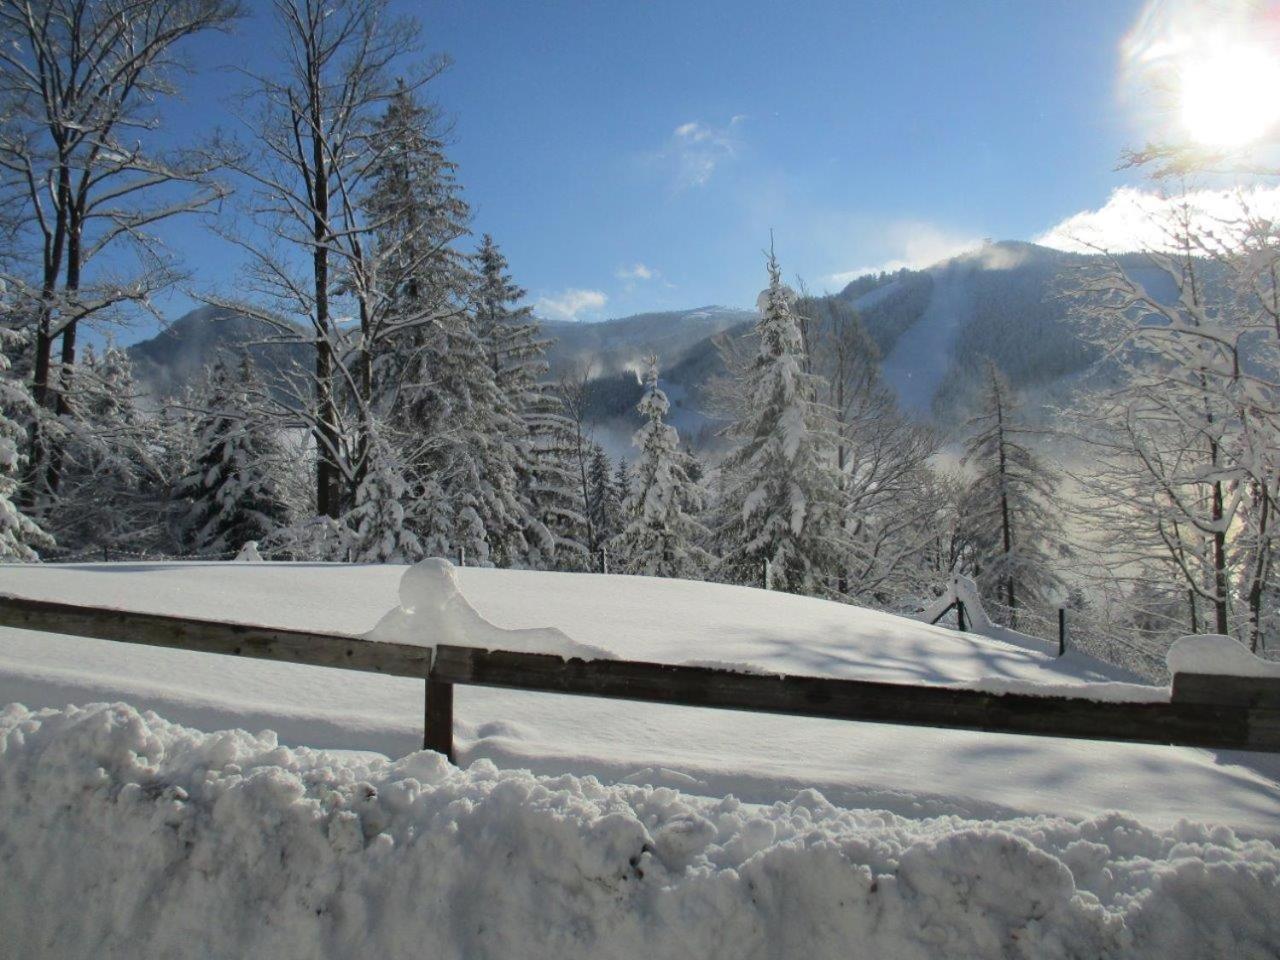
(1062, 630)
(437, 733)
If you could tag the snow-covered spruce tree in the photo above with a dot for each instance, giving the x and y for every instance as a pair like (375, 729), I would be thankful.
(663, 537)
(20, 535)
(1004, 507)
(780, 500)
(544, 443)
(112, 496)
(232, 491)
(464, 427)
(622, 480)
(606, 505)
(375, 528)
(463, 435)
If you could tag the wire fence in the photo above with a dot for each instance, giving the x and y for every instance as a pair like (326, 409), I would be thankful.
(1139, 656)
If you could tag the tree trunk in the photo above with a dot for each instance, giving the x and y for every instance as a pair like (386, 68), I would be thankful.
(54, 246)
(1219, 559)
(68, 359)
(327, 499)
(1262, 556)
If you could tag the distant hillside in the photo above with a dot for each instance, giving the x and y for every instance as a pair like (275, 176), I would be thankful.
(933, 328)
(174, 358)
(615, 346)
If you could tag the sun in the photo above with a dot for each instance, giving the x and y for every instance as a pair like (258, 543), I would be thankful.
(1228, 98)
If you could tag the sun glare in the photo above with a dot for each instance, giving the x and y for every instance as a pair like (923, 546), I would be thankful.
(1229, 99)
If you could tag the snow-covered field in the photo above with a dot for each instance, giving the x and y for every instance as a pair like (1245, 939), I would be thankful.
(641, 830)
(757, 758)
(124, 836)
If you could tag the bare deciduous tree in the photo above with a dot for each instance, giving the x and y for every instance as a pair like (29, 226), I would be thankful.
(79, 84)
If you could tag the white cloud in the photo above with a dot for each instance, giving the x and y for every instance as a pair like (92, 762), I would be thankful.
(569, 304)
(912, 244)
(637, 271)
(698, 149)
(1133, 219)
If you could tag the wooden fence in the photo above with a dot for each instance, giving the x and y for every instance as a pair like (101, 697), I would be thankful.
(1235, 713)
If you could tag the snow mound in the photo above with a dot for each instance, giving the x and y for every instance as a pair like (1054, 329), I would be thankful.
(1220, 655)
(249, 553)
(433, 611)
(123, 835)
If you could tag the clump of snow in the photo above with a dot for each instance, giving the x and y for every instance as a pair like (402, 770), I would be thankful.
(1217, 654)
(123, 835)
(434, 611)
(249, 553)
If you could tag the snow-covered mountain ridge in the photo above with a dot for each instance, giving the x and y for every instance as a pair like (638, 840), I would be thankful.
(933, 327)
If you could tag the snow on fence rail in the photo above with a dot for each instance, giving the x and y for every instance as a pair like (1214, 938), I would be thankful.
(1203, 710)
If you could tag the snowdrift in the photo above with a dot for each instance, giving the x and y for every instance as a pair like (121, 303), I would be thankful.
(123, 835)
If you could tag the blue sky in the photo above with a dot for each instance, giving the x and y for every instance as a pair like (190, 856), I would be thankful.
(633, 156)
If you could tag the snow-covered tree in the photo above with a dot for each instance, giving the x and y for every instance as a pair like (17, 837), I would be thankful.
(606, 506)
(20, 535)
(663, 536)
(113, 494)
(780, 504)
(879, 454)
(376, 530)
(1004, 509)
(1185, 444)
(82, 81)
(622, 481)
(232, 490)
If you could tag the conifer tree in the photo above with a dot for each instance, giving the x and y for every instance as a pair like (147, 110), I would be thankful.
(622, 481)
(606, 506)
(780, 505)
(464, 431)
(20, 535)
(376, 530)
(232, 489)
(1003, 508)
(542, 440)
(663, 536)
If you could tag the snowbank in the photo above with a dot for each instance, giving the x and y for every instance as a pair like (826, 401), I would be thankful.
(433, 610)
(1219, 655)
(123, 835)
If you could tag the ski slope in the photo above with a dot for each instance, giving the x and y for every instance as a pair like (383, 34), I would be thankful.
(914, 772)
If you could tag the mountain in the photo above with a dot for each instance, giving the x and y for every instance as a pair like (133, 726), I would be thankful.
(616, 346)
(175, 357)
(933, 328)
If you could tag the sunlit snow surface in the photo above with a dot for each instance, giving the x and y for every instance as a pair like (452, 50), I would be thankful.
(757, 758)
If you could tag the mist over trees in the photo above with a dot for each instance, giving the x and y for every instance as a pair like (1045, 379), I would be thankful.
(415, 413)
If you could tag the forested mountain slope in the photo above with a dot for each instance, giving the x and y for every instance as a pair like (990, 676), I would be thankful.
(933, 327)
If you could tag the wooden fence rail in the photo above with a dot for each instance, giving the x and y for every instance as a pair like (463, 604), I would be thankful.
(1203, 711)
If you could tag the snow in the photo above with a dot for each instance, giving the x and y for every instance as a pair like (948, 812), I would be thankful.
(1217, 654)
(920, 357)
(432, 608)
(135, 835)
(758, 758)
